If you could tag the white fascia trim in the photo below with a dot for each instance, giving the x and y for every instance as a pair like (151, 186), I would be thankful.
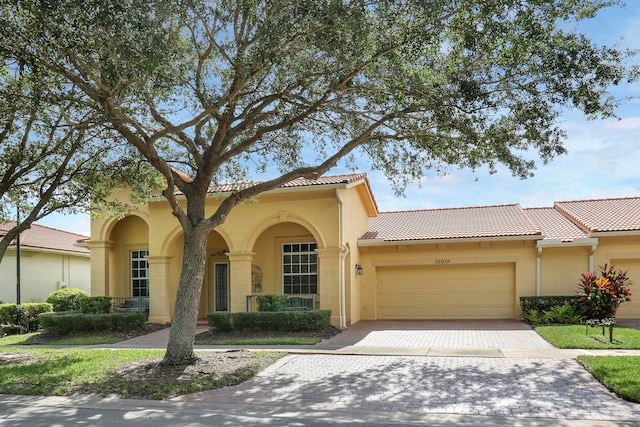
(305, 188)
(553, 243)
(48, 251)
(615, 233)
(380, 242)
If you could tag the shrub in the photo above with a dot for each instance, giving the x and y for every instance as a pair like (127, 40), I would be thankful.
(272, 302)
(289, 321)
(29, 315)
(220, 322)
(563, 314)
(64, 323)
(66, 299)
(544, 303)
(601, 296)
(533, 317)
(95, 305)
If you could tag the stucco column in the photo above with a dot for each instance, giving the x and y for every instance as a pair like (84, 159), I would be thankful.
(100, 266)
(329, 282)
(159, 309)
(239, 280)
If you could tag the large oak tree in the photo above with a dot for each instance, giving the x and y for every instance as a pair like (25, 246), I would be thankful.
(222, 89)
(48, 159)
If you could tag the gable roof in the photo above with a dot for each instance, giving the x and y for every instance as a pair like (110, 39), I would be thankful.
(297, 182)
(577, 222)
(482, 222)
(604, 215)
(347, 180)
(50, 239)
(555, 226)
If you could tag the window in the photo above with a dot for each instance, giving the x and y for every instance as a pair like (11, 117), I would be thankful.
(299, 268)
(139, 274)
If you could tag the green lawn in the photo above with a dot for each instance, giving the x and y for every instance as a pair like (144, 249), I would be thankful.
(25, 339)
(60, 372)
(580, 336)
(18, 339)
(618, 373)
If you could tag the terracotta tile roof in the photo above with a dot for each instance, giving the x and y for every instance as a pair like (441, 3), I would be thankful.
(350, 178)
(605, 215)
(41, 237)
(473, 222)
(298, 182)
(554, 225)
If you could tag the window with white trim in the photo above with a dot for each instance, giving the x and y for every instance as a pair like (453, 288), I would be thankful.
(299, 268)
(139, 273)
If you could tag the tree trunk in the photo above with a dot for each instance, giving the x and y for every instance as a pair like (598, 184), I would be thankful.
(4, 245)
(183, 328)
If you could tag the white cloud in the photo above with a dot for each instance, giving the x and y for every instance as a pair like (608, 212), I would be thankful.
(628, 124)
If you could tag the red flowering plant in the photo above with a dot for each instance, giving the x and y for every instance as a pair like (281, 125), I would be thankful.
(601, 296)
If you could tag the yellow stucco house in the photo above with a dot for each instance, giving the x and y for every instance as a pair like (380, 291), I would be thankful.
(326, 237)
(50, 259)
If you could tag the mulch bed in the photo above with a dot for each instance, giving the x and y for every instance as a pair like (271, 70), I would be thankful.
(45, 338)
(256, 334)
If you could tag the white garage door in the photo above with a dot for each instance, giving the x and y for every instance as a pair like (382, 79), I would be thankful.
(631, 309)
(469, 291)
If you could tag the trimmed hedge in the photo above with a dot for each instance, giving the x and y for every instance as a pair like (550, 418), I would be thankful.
(95, 305)
(272, 302)
(29, 315)
(290, 321)
(66, 299)
(545, 303)
(63, 323)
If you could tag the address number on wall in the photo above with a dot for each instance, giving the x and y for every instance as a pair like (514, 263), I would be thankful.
(443, 261)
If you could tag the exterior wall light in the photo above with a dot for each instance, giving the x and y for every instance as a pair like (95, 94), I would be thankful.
(359, 270)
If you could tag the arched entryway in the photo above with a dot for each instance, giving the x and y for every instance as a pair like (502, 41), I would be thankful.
(128, 264)
(215, 292)
(216, 289)
(286, 256)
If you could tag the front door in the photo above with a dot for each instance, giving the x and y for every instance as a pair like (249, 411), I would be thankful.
(221, 286)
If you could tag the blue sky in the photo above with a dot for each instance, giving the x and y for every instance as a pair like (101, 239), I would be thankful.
(603, 159)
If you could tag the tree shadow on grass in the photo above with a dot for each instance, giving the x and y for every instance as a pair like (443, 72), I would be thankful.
(38, 374)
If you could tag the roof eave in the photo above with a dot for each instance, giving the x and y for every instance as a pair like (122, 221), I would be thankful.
(24, 248)
(556, 243)
(280, 190)
(381, 242)
(618, 233)
(307, 188)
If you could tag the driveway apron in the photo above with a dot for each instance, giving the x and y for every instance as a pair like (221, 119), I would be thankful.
(485, 386)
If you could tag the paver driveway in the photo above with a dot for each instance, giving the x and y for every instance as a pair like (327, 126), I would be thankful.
(440, 334)
(491, 386)
(546, 388)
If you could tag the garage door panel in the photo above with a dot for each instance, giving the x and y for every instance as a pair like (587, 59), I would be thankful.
(474, 291)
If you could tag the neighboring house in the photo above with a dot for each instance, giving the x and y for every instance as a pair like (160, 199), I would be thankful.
(49, 260)
(327, 237)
